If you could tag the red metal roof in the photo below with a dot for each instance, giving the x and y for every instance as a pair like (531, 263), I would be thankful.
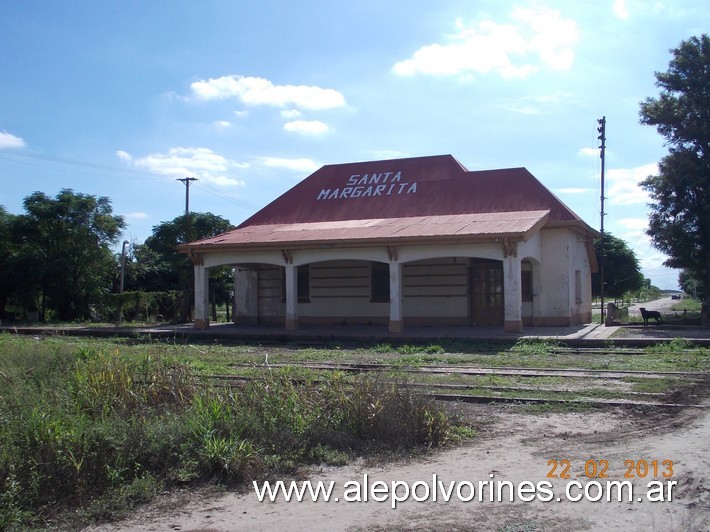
(401, 198)
(398, 188)
(483, 225)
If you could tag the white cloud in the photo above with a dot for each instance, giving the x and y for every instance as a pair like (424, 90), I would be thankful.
(573, 190)
(260, 91)
(387, 154)
(534, 38)
(222, 124)
(303, 165)
(633, 231)
(526, 110)
(624, 186)
(588, 152)
(202, 163)
(10, 141)
(636, 224)
(535, 105)
(136, 216)
(620, 9)
(290, 114)
(307, 127)
(124, 155)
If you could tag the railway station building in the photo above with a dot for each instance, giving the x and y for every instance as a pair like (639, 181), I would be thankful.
(406, 242)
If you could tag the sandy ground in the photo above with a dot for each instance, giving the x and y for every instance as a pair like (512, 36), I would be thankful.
(512, 446)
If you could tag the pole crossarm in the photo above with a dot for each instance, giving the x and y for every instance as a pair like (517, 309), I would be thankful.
(187, 181)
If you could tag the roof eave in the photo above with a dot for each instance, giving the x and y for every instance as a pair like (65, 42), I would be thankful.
(577, 225)
(355, 242)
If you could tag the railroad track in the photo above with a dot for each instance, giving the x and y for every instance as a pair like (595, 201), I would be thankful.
(461, 369)
(595, 383)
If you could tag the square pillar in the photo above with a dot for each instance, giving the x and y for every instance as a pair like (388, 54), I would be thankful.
(202, 292)
(395, 324)
(291, 297)
(513, 298)
(246, 302)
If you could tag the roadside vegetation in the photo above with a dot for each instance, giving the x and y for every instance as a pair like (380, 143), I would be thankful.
(688, 305)
(99, 427)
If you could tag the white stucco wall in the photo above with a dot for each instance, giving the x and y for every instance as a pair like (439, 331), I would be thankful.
(435, 281)
(564, 253)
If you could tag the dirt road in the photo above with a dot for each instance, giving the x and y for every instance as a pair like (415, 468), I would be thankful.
(663, 305)
(512, 446)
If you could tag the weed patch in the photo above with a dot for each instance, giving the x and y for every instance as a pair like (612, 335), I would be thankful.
(535, 347)
(87, 427)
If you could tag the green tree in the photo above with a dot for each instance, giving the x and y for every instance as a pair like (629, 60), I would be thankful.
(7, 271)
(679, 223)
(64, 253)
(622, 273)
(690, 285)
(164, 266)
(148, 271)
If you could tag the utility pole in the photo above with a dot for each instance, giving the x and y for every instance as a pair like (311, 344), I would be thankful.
(187, 181)
(123, 264)
(602, 148)
(120, 286)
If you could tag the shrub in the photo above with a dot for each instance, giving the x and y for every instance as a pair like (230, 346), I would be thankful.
(92, 429)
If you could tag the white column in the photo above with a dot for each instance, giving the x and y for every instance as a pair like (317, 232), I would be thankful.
(291, 297)
(246, 309)
(395, 297)
(513, 321)
(202, 292)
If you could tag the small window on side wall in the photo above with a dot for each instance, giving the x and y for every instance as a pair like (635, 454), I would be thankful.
(578, 285)
(379, 282)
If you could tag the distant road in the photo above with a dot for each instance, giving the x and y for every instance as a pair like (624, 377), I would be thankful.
(663, 305)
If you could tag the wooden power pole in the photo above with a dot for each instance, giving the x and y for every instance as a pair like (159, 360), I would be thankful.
(187, 181)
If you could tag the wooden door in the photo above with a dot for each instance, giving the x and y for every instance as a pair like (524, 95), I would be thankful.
(486, 292)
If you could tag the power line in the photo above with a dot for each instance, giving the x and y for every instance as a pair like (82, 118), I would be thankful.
(34, 158)
(241, 204)
(49, 161)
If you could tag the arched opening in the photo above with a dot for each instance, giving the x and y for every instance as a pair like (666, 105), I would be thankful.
(440, 291)
(339, 291)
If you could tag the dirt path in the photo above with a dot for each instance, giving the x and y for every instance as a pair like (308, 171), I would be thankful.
(512, 446)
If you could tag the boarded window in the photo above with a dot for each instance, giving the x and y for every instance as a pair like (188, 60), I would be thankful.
(379, 282)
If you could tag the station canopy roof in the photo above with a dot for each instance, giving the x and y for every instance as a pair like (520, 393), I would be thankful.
(400, 200)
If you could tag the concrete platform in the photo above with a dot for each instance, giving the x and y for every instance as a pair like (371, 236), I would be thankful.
(230, 333)
(590, 334)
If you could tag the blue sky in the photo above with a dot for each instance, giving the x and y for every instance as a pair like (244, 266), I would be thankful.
(119, 99)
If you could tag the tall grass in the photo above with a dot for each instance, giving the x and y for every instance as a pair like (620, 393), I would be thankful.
(90, 428)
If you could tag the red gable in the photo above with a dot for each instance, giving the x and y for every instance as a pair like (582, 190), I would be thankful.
(422, 198)
(399, 188)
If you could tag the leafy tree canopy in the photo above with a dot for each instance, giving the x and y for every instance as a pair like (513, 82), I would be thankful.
(163, 266)
(63, 250)
(622, 273)
(7, 272)
(183, 229)
(679, 223)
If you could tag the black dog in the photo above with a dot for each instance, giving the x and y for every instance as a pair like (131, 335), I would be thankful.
(649, 314)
